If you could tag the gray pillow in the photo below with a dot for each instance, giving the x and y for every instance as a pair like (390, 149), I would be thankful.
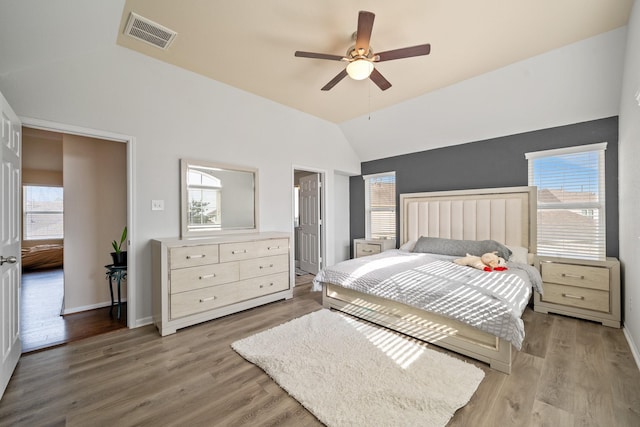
(435, 245)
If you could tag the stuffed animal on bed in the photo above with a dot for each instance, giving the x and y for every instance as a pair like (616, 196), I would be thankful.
(487, 262)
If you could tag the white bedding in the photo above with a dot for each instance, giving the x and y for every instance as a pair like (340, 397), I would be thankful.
(490, 301)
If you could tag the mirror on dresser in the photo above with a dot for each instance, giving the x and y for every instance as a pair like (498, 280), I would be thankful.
(217, 198)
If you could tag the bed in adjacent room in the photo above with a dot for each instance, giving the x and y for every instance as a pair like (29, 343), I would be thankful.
(418, 289)
(41, 257)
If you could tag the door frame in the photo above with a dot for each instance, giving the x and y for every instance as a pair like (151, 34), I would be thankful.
(131, 208)
(323, 209)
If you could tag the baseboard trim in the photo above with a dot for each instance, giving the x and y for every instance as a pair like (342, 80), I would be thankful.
(144, 321)
(632, 346)
(88, 307)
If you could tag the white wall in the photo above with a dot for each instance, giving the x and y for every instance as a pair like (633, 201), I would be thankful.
(176, 114)
(573, 84)
(629, 146)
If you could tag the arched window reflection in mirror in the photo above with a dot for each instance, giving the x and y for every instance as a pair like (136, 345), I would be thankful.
(218, 198)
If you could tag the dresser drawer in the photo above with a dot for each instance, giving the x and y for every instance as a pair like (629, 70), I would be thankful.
(576, 275)
(191, 256)
(263, 266)
(255, 249)
(573, 296)
(200, 300)
(264, 285)
(365, 249)
(187, 279)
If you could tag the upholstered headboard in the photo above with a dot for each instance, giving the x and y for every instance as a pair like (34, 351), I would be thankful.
(506, 215)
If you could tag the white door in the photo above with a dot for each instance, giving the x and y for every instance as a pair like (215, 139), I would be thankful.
(310, 223)
(10, 139)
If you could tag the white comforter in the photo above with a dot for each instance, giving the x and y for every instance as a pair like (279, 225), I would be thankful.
(490, 301)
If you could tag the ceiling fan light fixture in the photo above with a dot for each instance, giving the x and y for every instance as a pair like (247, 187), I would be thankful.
(359, 69)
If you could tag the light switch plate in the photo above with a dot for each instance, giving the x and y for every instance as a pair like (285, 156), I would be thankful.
(157, 205)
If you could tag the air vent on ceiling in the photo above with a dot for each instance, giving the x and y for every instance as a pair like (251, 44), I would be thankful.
(149, 32)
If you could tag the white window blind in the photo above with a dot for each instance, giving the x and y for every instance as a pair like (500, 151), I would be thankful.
(380, 206)
(43, 212)
(571, 201)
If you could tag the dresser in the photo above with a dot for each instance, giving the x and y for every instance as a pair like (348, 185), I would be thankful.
(196, 280)
(580, 288)
(366, 247)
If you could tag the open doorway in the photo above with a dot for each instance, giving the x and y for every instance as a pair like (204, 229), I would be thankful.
(308, 218)
(64, 294)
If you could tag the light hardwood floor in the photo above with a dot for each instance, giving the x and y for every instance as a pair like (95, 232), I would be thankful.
(569, 373)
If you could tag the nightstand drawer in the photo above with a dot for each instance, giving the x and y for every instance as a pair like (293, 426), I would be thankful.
(576, 297)
(365, 249)
(583, 276)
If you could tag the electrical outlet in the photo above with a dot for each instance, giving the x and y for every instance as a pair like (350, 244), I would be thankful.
(157, 205)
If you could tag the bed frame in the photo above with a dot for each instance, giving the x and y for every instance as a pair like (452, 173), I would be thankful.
(507, 215)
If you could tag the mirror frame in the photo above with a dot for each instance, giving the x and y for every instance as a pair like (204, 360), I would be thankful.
(185, 232)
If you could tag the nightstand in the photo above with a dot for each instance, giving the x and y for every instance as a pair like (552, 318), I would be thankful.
(366, 247)
(580, 288)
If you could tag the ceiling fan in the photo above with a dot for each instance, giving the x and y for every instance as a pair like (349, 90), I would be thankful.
(361, 57)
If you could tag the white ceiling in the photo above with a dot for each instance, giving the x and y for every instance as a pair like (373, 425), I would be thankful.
(250, 44)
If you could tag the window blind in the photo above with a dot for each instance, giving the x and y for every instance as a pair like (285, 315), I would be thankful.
(571, 201)
(380, 201)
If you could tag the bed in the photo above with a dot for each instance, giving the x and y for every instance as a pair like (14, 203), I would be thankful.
(503, 215)
(42, 257)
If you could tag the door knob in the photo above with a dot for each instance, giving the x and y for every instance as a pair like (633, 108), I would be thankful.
(10, 260)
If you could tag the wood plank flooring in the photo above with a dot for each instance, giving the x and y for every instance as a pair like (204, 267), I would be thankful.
(569, 373)
(42, 326)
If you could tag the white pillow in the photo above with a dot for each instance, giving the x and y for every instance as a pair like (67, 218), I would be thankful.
(519, 254)
(408, 247)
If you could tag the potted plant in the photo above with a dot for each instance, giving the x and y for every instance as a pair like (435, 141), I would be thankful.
(119, 256)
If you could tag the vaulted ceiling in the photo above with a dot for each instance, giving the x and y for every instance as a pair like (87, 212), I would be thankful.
(250, 45)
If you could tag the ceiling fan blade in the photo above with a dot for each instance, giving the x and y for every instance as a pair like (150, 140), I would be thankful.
(365, 26)
(379, 80)
(405, 52)
(341, 75)
(319, 56)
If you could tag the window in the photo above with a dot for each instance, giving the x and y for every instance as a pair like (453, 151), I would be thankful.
(204, 198)
(42, 212)
(380, 206)
(571, 201)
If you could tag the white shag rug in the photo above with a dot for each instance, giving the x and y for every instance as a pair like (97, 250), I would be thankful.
(349, 373)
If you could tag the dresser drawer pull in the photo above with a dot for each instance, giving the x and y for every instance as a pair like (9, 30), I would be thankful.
(573, 296)
(267, 266)
(244, 251)
(207, 299)
(273, 247)
(207, 276)
(196, 256)
(270, 284)
(367, 250)
(573, 276)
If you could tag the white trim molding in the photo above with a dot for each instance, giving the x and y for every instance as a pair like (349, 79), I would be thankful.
(632, 346)
(131, 199)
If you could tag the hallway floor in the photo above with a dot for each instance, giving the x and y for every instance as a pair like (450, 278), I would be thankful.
(42, 326)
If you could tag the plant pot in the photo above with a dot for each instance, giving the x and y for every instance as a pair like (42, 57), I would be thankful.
(119, 258)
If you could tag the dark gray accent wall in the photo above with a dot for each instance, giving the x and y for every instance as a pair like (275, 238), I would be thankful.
(497, 162)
